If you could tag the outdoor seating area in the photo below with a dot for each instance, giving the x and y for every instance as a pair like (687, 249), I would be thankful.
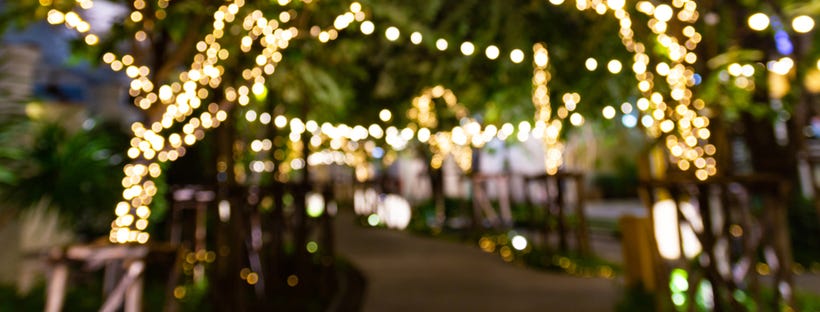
(386, 155)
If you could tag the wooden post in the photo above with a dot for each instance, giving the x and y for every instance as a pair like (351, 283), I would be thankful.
(781, 243)
(638, 252)
(504, 201)
(327, 249)
(559, 202)
(476, 205)
(115, 299)
(254, 241)
(531, 224)
(708, 243)
(276, 258)
(582, 231)
(133, 296)
(171, 304)
(547, 214)
(200, 230)
(56, 287)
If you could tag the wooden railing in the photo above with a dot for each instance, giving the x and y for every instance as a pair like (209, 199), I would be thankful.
(565, 193)
(738, 221)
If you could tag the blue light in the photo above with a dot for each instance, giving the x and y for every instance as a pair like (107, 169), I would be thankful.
(378, 152)
(776, 24)
(783, 43)
(697, 79)
(629, 121)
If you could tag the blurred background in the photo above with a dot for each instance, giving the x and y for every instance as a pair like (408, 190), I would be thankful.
(430, 155)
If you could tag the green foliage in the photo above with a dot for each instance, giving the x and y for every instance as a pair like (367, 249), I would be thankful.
(722, 91)
(807, 301)
(18, 14)
(13, 127)
(806, 7)
(803, 228)
(78, 171)
(623, 183)
(159, 205)
(424, 214)
(84, 295)
(10, 151)
(196, 297)
(352, 78)
(539, 257)
(615, 173)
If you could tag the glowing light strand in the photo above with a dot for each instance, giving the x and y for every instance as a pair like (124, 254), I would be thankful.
(183, 98)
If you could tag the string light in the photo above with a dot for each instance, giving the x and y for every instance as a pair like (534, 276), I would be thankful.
(441, 44)
(591, 64)
(416, 37)
(758, 21)
(155, 143)
(803, 24)
(392, 33)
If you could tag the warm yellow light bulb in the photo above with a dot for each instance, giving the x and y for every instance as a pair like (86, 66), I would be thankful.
(614, 66)
(608, 112)
(615, 4)
(392, 33)
(758, 21)
(803, 24)
(385, 115)
(467, 48)
(92, 39)
(517, 56)
(441, 44)
(415, 38)
(492, 53)
(663, 13)
(367, 27)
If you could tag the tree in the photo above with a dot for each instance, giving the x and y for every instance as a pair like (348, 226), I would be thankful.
(198, 64)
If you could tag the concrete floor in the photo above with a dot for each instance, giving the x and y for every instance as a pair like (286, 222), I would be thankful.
(406, 272)
(412, 273)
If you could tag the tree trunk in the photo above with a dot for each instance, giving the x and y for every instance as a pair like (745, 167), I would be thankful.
(226, 287)
(436, 176)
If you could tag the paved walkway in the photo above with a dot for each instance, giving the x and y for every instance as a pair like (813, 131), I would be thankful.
(412, 273)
